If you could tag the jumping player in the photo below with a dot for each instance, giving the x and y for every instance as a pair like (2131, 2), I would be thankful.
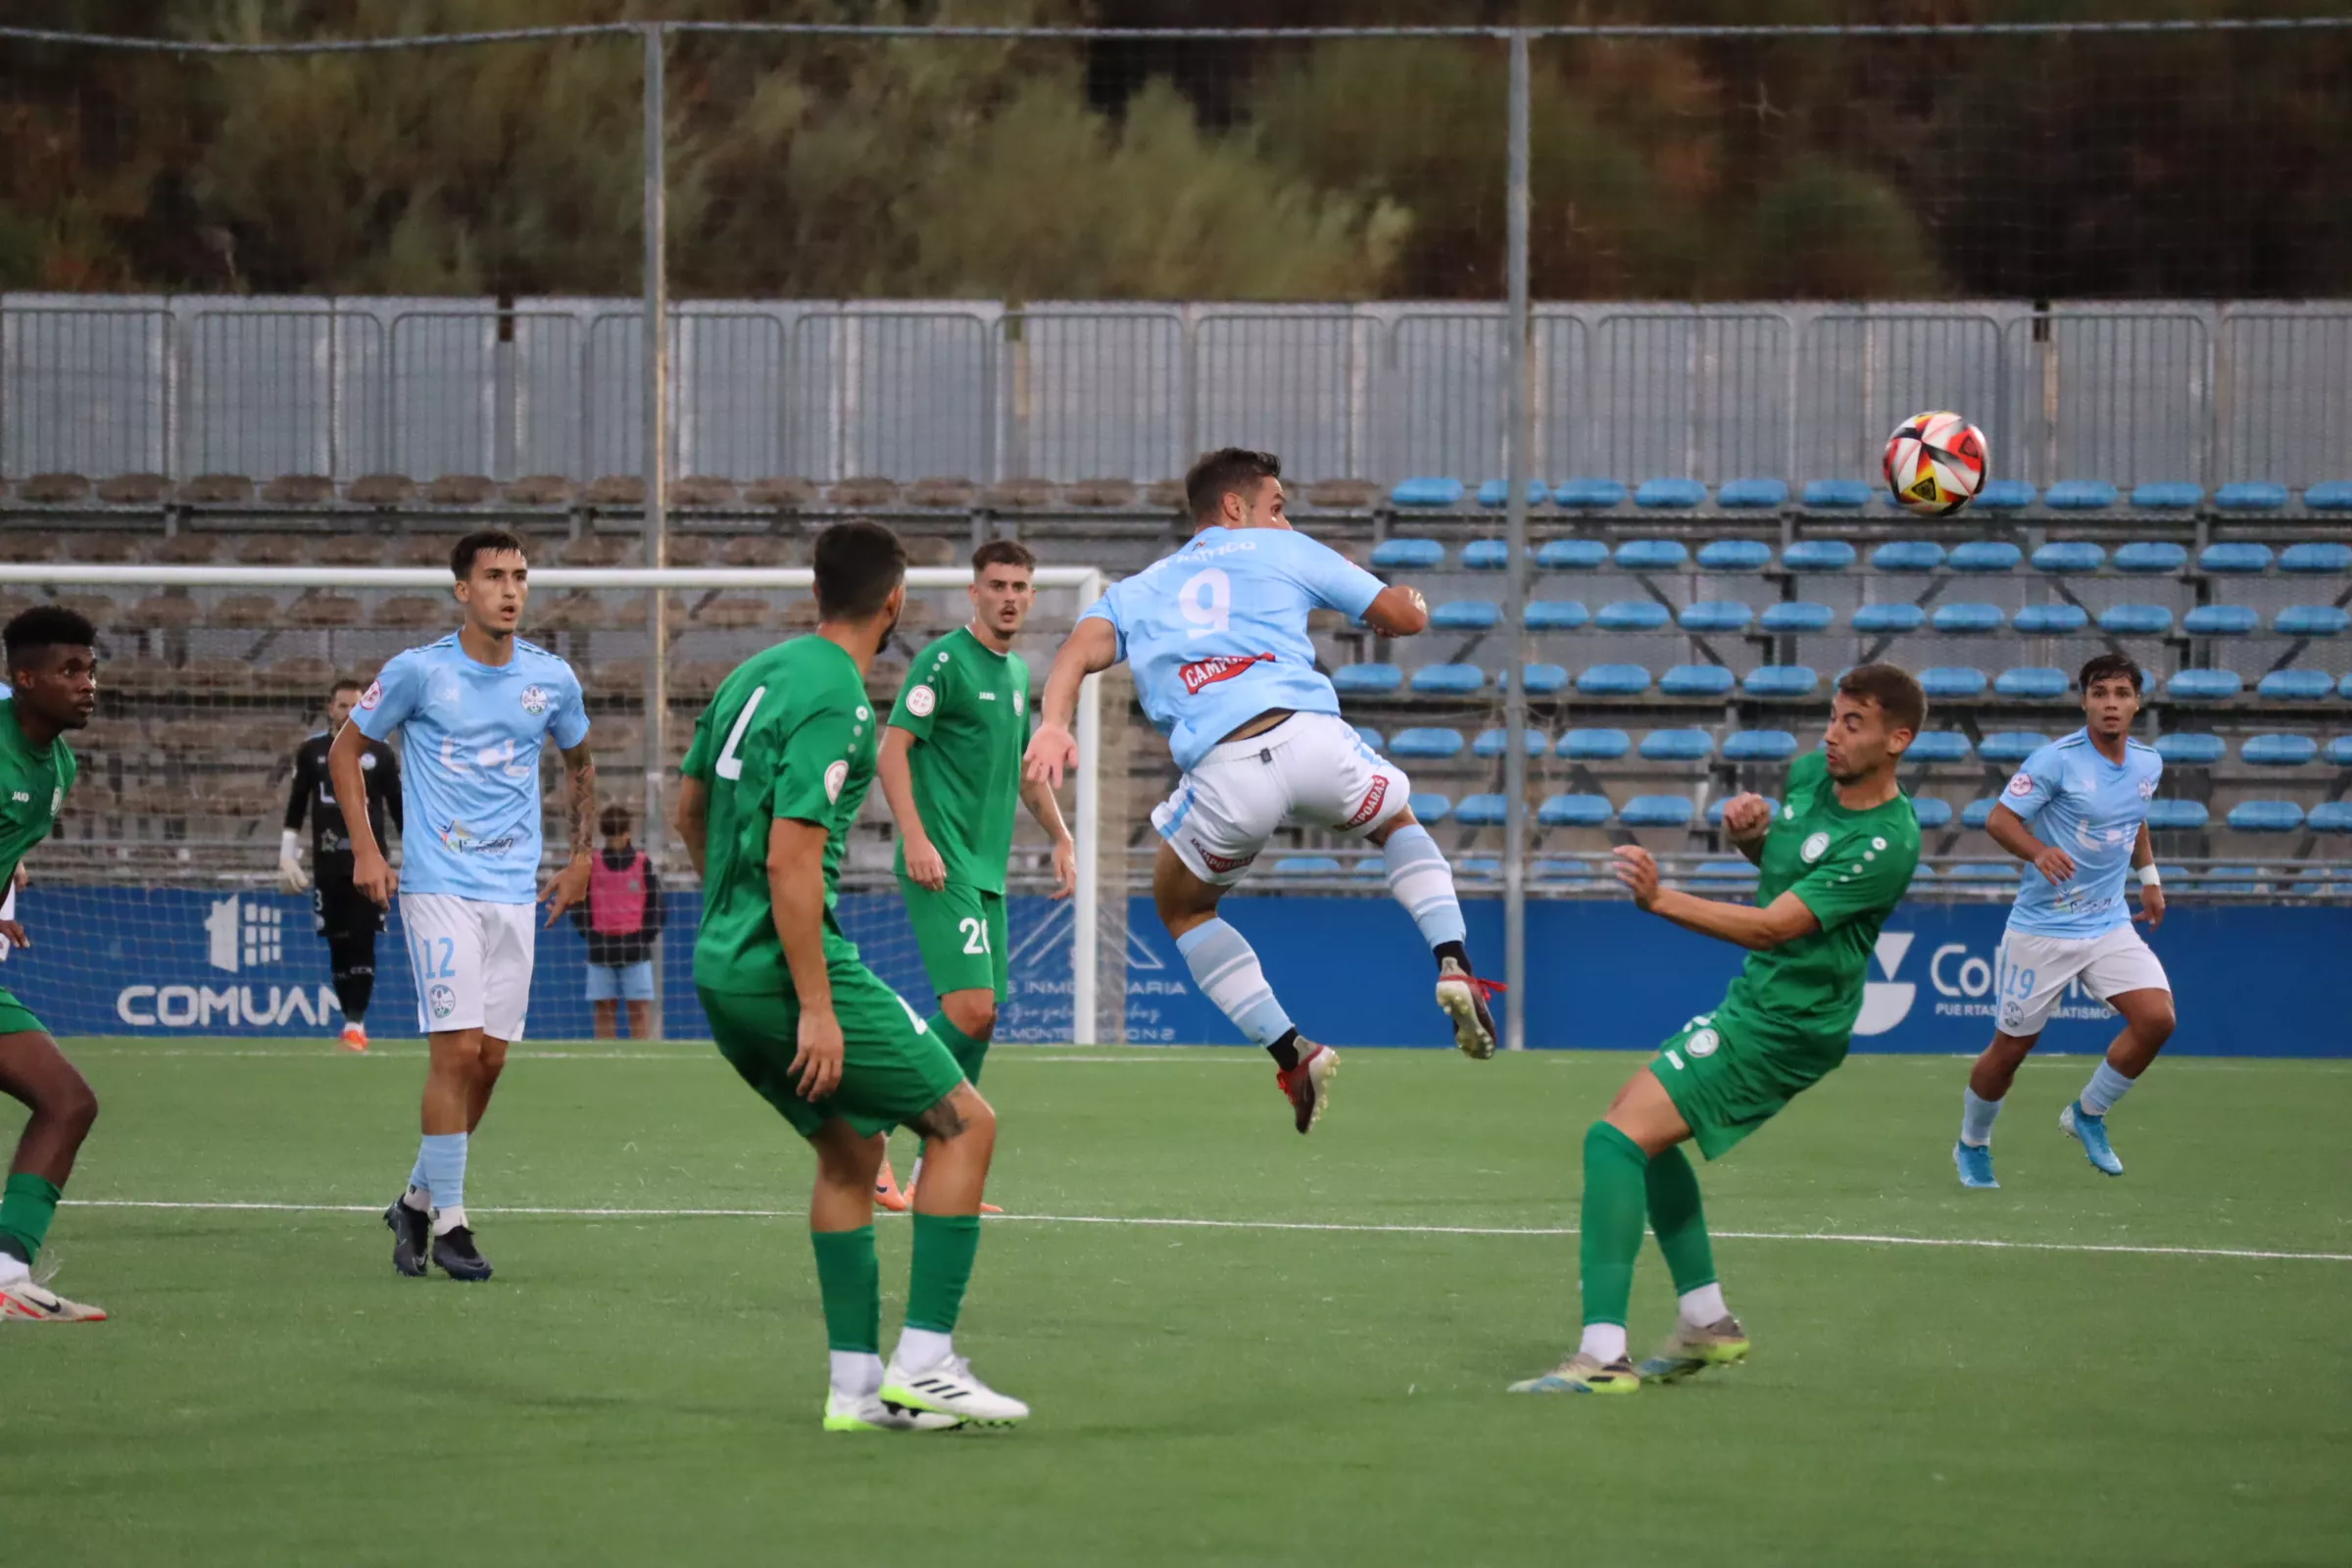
(348, 918)
(1834, 862)
(477, 708)
(1216, 635)
(2089, 793)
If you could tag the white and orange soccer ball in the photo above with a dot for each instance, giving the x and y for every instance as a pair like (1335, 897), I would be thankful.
(1935, 464)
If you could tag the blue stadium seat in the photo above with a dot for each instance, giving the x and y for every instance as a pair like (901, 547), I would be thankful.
(1715, 808)
(1759, 746)
(1307, 865)
(1487, 555)
(1979, 811)
(1613, 680)
(2221, 620)
(1939, 746)
(1670, 495)
(1984, 555)
(2150, 555)
(1908, 554)
(2192, 749)
(2168, 495)
(2334, 496)
(1588, 493)
(1595, 745)
(1718, 873)
(1652, 555)
(2331, 816)
(1697, 680)
(1656, 810)
(2296, 686)
(2004, 495)
(1370, 737)
(2233, 878)
(1953, 680)
(1896, 618)
(1923, 875)
(1571, 870)
(2345, 690)
(2254, 496)
(1633, 615)
(2176, 816)
(2033, 683)
(1408, 554)
(1735, 493)
(2069, 554)
(2080, 495)
(2235, 556)
(1482, 810)
(1427, 492)
(1798, 615)
(1818, 555)
(1466, 615)
(1932, 812)
(1716, 615)
(1430, 805)
(2050, 620)
(2278, 751)
(2010, 747)
(1677, 746)
(1837, 495)
(1366, 681)
(2204, 686)
(1498, 493)
(1734, 554)
(1425, 742)
(1476, 867)
(2266, 816)
(1542, 680)
(2337, 753)
(2136, 620)
(1573, 555)
(1557, 615)
(1781, 681)
(1449, 680)
(2318, 556)
(1965, 620)
(1982, 871)
(1495, 741)
(1575, 810)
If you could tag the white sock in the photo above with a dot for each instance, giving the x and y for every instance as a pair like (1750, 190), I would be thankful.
(1705, 1306)
(418, 1199)
(1604, 1341)
(1976, 1118)
(14, 1270)
(449, 1219)
(857, 1374)
(915, 1174)
(921, 1350)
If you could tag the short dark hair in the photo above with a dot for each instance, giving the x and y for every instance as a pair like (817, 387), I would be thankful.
(615, 821)
(1002, 553)
(46, 627)
(1227, 472)
(349, 683)
(1893, 688)
(2108, 667)
(857, 563)
(481, 542)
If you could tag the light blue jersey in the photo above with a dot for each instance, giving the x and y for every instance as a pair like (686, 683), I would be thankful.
(1216, 633)
(472, 734)
(2093, 809)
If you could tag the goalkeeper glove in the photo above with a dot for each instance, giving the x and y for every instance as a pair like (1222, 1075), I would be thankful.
(290, 874)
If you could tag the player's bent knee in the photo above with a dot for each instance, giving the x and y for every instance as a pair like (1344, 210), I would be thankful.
(973, 1013)
(75, 1103)
(961, 1113)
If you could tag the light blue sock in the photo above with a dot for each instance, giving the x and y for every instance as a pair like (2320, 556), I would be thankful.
(1976, 1118)
(2106, 1087)
(1226, 970)
(417, 1172)
(1423, 883)
(441, 1158)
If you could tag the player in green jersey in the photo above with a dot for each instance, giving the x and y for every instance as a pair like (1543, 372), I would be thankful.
(779, 765)
(53, 668)
(951, 768)
(1834, 860)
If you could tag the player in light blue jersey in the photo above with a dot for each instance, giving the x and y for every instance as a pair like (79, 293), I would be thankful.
(1217, 636)
(474, 710)
(2076, 813)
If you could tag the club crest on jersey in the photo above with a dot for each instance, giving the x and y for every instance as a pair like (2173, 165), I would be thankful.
(534, 700)
(920, 700)
(1216, 668)
(1814, 848)
(2022, 784)
(2147, 789)
(835, 777)
(1703, 1044)
(373, 694)
(443, 999)
(368, 762)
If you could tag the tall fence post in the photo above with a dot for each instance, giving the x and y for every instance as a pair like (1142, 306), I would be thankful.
(656, 458)
(1516, 437)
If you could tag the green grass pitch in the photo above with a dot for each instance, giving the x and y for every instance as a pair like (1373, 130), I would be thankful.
(1243, 1347)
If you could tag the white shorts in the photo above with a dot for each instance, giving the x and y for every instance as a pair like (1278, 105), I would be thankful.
(472, 962)
(1312, 769)
(2033, 972)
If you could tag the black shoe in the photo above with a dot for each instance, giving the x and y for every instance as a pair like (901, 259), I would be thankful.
(454, 1250)
(412, 1237)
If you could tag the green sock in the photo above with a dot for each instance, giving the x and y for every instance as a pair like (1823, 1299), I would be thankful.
(850, 1281)
(1614, 1203)
(945, 1246)
(1676, 1214)
(968, 1052)
(27, 1204)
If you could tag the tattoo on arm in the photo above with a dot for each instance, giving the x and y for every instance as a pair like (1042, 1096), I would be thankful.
(583, 803)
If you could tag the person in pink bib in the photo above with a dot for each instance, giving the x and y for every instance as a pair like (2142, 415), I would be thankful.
(620, 917)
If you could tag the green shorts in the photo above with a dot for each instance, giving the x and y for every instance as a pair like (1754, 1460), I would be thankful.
(17, 1018)
(893, 1068)
(961, 933)
(1726, 1091)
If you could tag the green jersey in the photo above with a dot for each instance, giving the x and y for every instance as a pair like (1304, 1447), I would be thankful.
(788, 735)
(968, 706)
(1851, 868)
(35, 780)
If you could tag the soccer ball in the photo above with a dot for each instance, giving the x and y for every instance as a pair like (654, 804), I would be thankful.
(1935, 464)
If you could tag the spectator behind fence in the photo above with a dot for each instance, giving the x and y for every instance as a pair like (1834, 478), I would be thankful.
(620, 918)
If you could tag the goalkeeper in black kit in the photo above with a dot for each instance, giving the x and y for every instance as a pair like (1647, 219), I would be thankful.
(348, 918)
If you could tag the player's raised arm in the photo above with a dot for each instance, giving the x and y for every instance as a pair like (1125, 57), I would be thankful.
(1784, 919)
(1092, 647)
(1747, 822)
(570, 886)
(1398, 612)
(796, 893)
(371, 873)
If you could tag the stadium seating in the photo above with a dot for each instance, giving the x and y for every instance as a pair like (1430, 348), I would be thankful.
(1939, 746)
(1888, 618)
(1447, 680)
(1496, 742)
(2051, 621)
(1408, 554)
(1588, 494)
(1487, 555)
(1366, 679)
(1951, 681)
(2069, 556)
(1466, 615)
(1759, 746)
(1797, 616)
(1428, 492)
(1482, 810)
(1933, 813)
(1633, 615)
(1716, 615)
(2221, 620)
(1575, 810)
(1572, 555)
(1678, 746)
(1818, 555)
(1656, 810)
(2032, 683)
(2191, 749)
(1734, 554)
(2150, 555)
(1908, 554)
(2009, 747)
(1425, 742)
(1541, 680)
(2313, 557)
(1556, 614)
(1781, 681)
(1835, 494)
(1985, 556)
(2005, 495)
(1670, 495)
(2080, 495)
(1697, 680)
(1652, 555)
(1613, 680)
(1595, 745)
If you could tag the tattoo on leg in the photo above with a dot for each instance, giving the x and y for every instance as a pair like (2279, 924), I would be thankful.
(941, 1121)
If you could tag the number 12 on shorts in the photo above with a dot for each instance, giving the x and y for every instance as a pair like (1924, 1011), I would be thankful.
(437, 958)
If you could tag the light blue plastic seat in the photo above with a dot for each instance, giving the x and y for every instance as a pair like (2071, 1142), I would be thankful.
(1652, 555)
(2265, 816)
(1677, 746)
(2334, 496)
(2252, 496)
(1476, 867)
(1656, 810)
(1495, 741)
(1588, 494)
(2190, 749)
(1818, 555)
(2136, 620)
(1697, 680)
(1979, 811)
(1408, 554)
(2004, 495)
(1908, 554)
(2166, 495)
(1482, 810)
(1449, 680)
(1307, 865)
(2278, 751)
(1781, 681)
(1953, 680)
(2033, 683)
(1427, 491)
(2010, 747)
(1797, 616)
(1716, 805)
(2069, 554)
(1425, 742)
(2221, 620)
(2296, 686)
(2050, 620)
(1722, 873)
(1371, 738)
(1575, 810)
(1542, 680)
(1759, 746)
(1572, 555)
(1366, 681)
(2235, 556)
(1985, 556)
(1613, 680)
(1557, 615)
(2311, 620)
(1670, 495)
(2317, 557)
(2337, 753)
(1990, 871)
(2331, 816)
(2345, 690)
(1737, 493)
(1835, 494)
(1466, 615)
(1939, 746)
(1894, 617)
(2176, 816)
(1487, 555)
(2080, 495)
(1716, 615)
(1932, 812)
(1430, 805)
(1575, 872)
(1633, 615)
(1734, 554)
(1967, 620)
(2204, 685)
(1595, 745)
(2151, 555)
(1498, 493)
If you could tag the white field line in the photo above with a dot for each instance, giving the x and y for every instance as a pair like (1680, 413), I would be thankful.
(1860, 1239)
